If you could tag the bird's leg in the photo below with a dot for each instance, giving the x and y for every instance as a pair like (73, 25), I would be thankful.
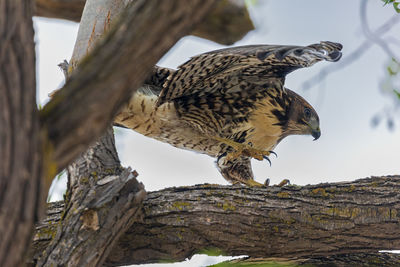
(237, 171)
(246, 150)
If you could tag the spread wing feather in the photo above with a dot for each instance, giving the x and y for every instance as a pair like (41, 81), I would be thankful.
(231, 69)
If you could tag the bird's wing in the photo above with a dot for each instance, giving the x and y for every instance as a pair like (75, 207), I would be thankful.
(229, 69)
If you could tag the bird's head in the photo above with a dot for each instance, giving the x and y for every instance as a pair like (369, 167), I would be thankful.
(302, 119)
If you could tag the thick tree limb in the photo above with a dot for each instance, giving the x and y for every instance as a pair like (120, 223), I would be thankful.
(295, 222)
(106, 78)
(103, 200)
(341, 260)
(20, 143)
(226, 23)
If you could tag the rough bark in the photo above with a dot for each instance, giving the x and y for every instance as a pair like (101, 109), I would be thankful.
(297, 222)
(20, 160)
(60, 9)
(106, 78)
(97, 19)
(103, 200)
(377, 259)
(226, 23)
(355, 259)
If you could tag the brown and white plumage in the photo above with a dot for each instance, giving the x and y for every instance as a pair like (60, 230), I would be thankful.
(230, 104)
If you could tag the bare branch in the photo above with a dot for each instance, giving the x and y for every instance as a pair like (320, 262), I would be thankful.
(60, 9)
(226, 23)
(373, 37)
(21, 192)
(350, 58)
(340, 260)
(291, 222)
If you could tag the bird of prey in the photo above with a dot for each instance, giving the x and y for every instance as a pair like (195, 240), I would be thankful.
(230, 104)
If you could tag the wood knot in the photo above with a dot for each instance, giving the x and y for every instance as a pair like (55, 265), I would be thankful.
(90, 220)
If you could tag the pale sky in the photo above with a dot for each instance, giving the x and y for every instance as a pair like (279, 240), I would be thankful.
(349, 147)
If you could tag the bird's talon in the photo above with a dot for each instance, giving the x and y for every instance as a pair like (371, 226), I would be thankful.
(253, 183)
(266, 183)
(266, 158)
(246, 150)
(284, 182)
(273, 153)
(259, 157)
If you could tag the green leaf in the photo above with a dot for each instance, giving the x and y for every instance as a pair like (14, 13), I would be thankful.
(250, 3)
(391, 72)
(387, 2)
(396, 7)
(394, 67)
(396, 93)
(58, 177)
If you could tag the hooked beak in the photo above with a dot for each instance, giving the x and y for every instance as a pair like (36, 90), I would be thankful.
(316, 133)
(314, 127)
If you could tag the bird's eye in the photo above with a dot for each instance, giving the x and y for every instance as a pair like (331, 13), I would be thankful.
(307, 113)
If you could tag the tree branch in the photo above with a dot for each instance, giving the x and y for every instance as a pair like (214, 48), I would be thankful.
(351, 57)
(21, 192)
(226, 23)
(294, 222)
(377, 259)
(371, 36)
(106, 78)
(102, 202)
(60, 9)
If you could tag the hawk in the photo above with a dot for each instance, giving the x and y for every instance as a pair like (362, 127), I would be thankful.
(230, 104)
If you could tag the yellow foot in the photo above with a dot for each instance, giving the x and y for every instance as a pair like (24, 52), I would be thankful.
(284, 182)
(244, 150)
(253, 183)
